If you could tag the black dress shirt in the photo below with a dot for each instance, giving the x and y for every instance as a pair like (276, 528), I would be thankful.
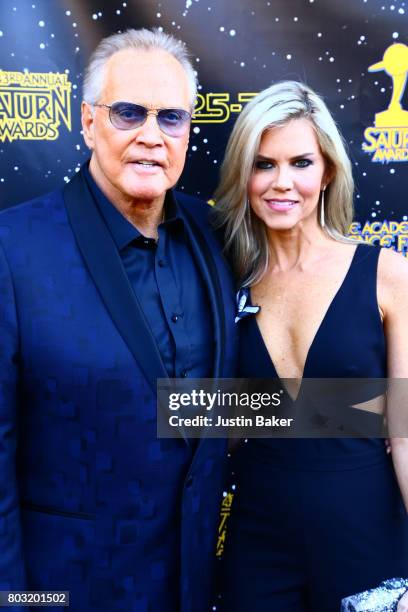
(168, 285)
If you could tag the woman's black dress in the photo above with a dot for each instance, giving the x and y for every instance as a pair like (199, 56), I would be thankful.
(315, 520)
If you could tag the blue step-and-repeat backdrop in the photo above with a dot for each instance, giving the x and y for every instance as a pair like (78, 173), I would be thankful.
(353, 52)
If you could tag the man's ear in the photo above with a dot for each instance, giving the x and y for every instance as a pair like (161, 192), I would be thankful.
(87, 119)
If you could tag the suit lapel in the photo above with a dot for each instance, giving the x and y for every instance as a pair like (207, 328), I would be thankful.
(203, 253)
(208, 269)
(218, 284)
(105, 266)
(204, 246)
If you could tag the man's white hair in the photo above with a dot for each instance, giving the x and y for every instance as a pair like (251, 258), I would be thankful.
(139, 40)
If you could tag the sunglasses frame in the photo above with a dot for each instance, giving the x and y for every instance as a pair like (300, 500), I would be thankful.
(148, 111)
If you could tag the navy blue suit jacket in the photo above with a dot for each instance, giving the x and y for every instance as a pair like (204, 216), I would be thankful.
(90, 500)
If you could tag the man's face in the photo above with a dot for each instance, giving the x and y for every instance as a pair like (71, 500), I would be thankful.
(153, 79)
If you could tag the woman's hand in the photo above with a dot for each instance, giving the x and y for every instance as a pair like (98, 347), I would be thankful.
(403, 603)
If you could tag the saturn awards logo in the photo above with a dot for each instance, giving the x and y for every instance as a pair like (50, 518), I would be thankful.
(388, 140)
(34, 105)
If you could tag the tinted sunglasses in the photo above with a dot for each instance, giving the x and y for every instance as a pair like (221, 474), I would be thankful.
(127, 116)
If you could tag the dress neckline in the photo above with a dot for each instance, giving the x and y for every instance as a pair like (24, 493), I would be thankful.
(318, 329)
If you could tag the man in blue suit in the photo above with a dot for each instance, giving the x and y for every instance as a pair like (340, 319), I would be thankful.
(107, 285)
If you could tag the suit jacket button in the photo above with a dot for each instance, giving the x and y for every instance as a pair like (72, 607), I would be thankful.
(189, 482)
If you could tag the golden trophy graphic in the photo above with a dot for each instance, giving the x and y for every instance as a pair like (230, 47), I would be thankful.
(395, 64)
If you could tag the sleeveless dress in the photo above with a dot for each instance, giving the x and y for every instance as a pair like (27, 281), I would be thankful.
(316, 520)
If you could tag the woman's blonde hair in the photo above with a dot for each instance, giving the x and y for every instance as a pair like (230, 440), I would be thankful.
(246, 237)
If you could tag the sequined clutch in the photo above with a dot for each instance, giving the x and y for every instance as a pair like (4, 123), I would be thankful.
(382, 599)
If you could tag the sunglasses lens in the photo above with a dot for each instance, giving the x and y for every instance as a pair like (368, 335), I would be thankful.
(173, 122)
(126, 116)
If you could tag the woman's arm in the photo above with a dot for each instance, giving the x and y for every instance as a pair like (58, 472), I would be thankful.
(399, 450)
(393, 301)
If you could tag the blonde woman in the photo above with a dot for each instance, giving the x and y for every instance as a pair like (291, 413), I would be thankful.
(314, 520)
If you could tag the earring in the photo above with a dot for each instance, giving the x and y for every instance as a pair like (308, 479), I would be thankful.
(248, 207)
(322, 221)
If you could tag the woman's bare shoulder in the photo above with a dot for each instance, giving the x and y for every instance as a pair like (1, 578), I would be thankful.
(392, 278)
(392, 266)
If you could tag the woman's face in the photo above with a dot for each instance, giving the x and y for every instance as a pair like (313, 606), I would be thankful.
(288, 175)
